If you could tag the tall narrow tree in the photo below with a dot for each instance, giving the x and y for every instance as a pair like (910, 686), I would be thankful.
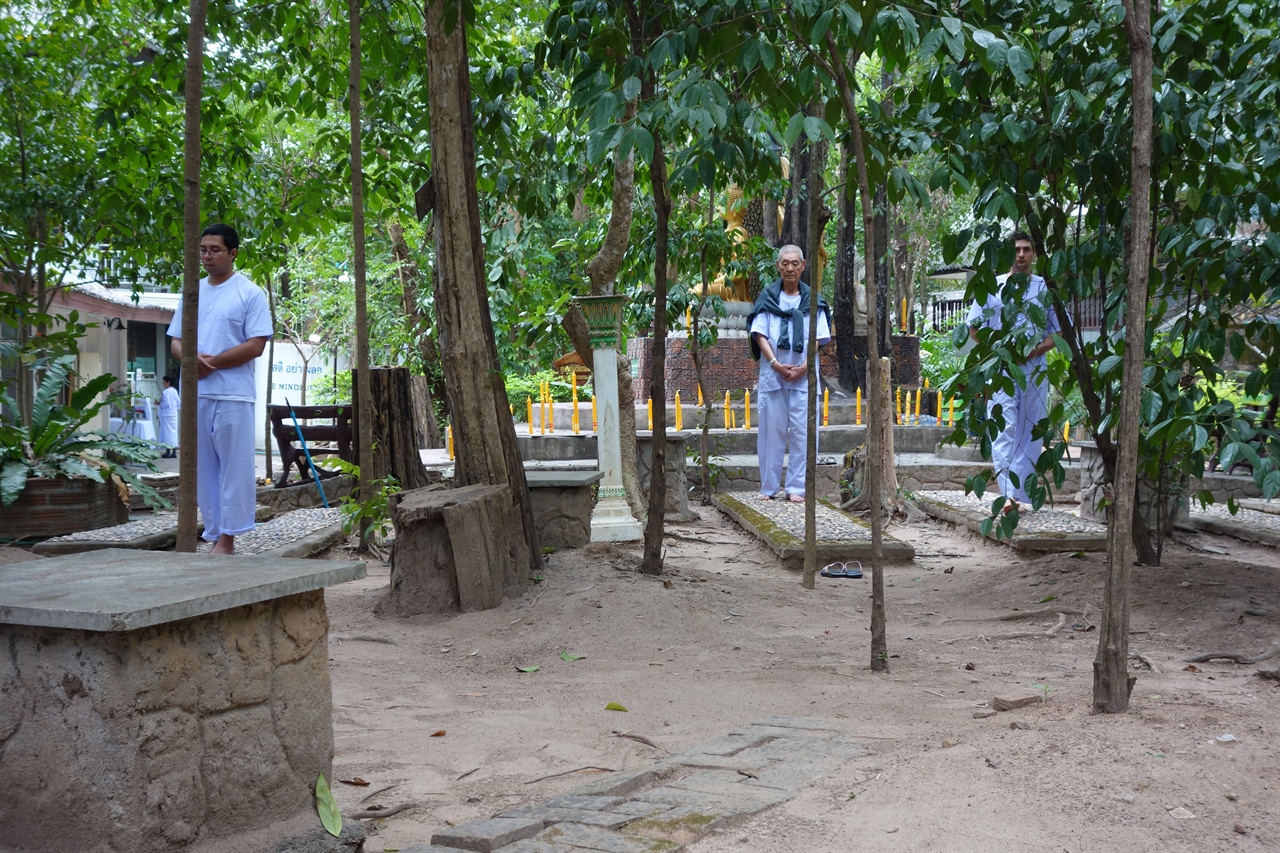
(190, 276)
(364, 391)
(1112, 683)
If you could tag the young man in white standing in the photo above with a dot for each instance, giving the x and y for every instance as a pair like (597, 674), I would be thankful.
(234, 327)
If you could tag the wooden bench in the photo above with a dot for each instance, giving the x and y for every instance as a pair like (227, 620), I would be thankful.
(339, 432)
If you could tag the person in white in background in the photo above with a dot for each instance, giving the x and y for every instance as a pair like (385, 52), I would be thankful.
(234, 327)
(170, 402)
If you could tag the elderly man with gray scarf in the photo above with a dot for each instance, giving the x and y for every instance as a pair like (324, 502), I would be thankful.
(779, 330)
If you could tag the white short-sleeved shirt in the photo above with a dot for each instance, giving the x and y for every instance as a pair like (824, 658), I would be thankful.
(230, 314)
(989, 315)
(770, 325)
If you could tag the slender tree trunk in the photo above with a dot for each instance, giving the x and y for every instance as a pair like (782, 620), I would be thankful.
(190, 278)
(484, 432)
(364, 393)
(816, 217)
(876, 411)
(652, 561)
(271, 360)
(844, 303)
(1112, 683)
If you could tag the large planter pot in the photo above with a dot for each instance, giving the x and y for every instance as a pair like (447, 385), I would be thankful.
(55, 507)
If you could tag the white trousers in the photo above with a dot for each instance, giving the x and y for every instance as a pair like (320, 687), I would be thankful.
(1013, 450)
(784, 424)
(225, 486)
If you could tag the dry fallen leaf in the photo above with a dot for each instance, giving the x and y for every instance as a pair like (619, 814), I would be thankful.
(438, 734)
(354, 780)
(1191, 668)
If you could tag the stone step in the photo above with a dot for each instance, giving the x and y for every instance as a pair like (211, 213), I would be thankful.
(780, 524)
(1047, 530)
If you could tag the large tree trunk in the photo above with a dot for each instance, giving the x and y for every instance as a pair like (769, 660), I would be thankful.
(190, 278)
(419, 325)
(844, 302)
(483, 430)
(602, 272)
(1112, 683)
(393, 419)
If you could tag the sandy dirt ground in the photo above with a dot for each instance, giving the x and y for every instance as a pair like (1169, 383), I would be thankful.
(434, 712)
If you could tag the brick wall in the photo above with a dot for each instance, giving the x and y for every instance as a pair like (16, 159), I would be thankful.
(54, 507)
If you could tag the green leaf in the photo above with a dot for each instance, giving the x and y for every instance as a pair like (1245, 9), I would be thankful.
(13, 479)
(327, 806)
(1047, 599)
(1020, 62)
(534, 668)
(615, 706)
(631, 88)
(566, 655)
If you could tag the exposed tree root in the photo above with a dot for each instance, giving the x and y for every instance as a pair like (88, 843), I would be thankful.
(1017, 635)
(1238, 657)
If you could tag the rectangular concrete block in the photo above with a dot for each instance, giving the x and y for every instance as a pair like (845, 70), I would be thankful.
(1016, 699)
(587, 817)
(576, 836)
(533, 845)
(583, 801)
(626, 781)
(485, 836)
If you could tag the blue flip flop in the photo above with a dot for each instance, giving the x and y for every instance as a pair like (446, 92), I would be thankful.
(842, 570)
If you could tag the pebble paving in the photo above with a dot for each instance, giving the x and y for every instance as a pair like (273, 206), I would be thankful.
(1043, 530)
(667, 806)
(281, 532)
(161, 522)
(780, 524)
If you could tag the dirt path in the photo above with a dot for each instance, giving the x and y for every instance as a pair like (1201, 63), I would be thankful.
(726, 638)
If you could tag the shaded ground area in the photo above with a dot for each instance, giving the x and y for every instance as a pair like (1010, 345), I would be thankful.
(434, 711)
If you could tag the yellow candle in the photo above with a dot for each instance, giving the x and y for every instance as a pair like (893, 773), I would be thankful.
(826, 404)
(726, 410)
(574, 377)
(679, 414)
(1066, 432)
(733, 418)
(593, 412)
(700, 403)
(857, 411)
(529, 403)
(649, 403)
(904, 313)
(918, 396)
(951, 412)
(688, 318)
(448, 436)
(746, 409)
(574, 418)
(897, 406)
(938, 411)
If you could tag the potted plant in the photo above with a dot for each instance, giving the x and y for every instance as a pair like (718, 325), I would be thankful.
(58, 477)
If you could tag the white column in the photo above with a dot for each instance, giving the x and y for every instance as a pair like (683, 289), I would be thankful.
(611, 521)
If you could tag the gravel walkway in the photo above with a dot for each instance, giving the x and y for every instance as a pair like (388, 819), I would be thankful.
(1045, 530)
(287, 529)
(828, 523)
(161, 522)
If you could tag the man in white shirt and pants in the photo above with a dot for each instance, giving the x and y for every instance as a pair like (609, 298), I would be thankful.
(779, 329)
(234, 327)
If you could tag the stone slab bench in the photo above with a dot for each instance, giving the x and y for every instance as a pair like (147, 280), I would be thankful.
(780, 525)
(1047, 530)
(155, 701)
(562, 502)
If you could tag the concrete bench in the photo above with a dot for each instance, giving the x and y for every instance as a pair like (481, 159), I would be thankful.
(155, 701)
(562, 502)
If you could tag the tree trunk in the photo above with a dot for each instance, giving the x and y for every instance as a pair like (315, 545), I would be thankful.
(1112, 683)
(652, 561)
(877, 371)
(844, 302)
(816, 216)
(190, 278)
(483, 430)
(393, 419)
(362, 391)
(420, 328)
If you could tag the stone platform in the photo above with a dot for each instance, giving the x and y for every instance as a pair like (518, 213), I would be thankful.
(1042, 531)
(151, 701)
(780, 525)
(1256, 521)
(664, 807)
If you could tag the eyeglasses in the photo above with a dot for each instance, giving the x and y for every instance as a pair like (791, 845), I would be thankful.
(211, 250)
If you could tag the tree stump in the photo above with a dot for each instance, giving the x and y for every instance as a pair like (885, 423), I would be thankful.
(395, 427)
(455, 550)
